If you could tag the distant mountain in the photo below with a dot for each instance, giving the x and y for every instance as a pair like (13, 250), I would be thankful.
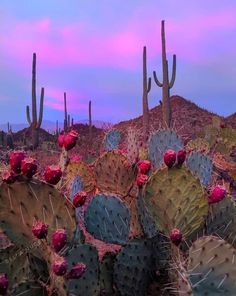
(50, 126)
(188, 118)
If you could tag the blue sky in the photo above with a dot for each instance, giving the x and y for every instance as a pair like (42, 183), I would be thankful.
(93, 50)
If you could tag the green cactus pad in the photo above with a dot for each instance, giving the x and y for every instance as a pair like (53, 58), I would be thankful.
(200, 165)
(21, 203)
(174, 198)
(114, 173)
(146, 221)
(88, 284)
(81, 169)
(133, 269)
(212, 267)
(112, 139)
(29, 288)
(106, 273)
(198, 144)
(161, 141)
(107, 218)
(221, 220)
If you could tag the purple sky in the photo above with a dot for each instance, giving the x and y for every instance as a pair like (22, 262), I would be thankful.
(93, 50)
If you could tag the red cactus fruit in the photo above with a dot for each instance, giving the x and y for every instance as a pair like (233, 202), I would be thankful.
(59, 239)
(144, 166)
(3, 283)
(59, 266)
(77, 271)
(141, 180)
(40, 229)
(222, 125)
(176, 236)
(181, 156)
(8, 177)
(52, 174)
(217, 194)
(60, 140)
(79, 199)
(169, 158)
(15, 160)
(29, 167)
(70, 140)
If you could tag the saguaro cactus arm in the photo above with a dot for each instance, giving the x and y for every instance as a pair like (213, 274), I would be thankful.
(173, 72)
(156, 79)
(28, 115)
(41, 108)
(149, 84)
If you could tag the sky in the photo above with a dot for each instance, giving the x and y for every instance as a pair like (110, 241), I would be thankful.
(92, 50)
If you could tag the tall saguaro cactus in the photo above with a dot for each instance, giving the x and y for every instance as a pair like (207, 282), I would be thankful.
(65, 114)
(166, 85)
(90, 121)
(146, 90)
(35, 123)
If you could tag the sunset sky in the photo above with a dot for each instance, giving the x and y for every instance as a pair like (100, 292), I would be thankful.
(92, 49)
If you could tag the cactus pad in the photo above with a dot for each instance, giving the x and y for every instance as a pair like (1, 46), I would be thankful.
(107, 218)
(114, 173)
(106, 273)
(212, 267)
(23, 202)
(174, 198)
(88, 284)
(198, 144)
(112, 139)
(133, 268)
(200, 165)
(81, 169)
(159, 142)
(146, 221)
(221, 220)
(29, 288)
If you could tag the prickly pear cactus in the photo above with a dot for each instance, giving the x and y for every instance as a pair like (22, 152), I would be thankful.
(81, 169)
(212, 267)
(132, 145)
(200, 165)
(198, 144)
(88, 284)
(106, 273)
(29, 288)
(107, 218)
(148, 224)
(221, 220)
(77, 185)
(159, 142)
(112, 139)
(114, 173)
(21, 203)
(133, 268)
(174, 198)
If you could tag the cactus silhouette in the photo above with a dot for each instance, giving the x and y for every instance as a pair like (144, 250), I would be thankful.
(35, 122)
(146, 90)
(166, 85)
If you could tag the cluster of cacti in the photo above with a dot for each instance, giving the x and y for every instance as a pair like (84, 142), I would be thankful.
(150, 212)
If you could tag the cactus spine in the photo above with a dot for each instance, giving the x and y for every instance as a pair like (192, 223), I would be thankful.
(146, 90)
(166, 85)
(35, 123)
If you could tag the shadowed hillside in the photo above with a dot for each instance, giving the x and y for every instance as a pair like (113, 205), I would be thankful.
(188, 118)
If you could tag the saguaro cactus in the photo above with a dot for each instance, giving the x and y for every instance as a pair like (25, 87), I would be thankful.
(65, 113)
(146, 90)
(35, 123)
(166, 85)
(90, 121)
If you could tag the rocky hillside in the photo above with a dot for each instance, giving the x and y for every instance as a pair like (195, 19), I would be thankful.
(231, 120)
(188, 118)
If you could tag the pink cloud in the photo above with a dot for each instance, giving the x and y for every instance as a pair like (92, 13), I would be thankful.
(54, 98)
